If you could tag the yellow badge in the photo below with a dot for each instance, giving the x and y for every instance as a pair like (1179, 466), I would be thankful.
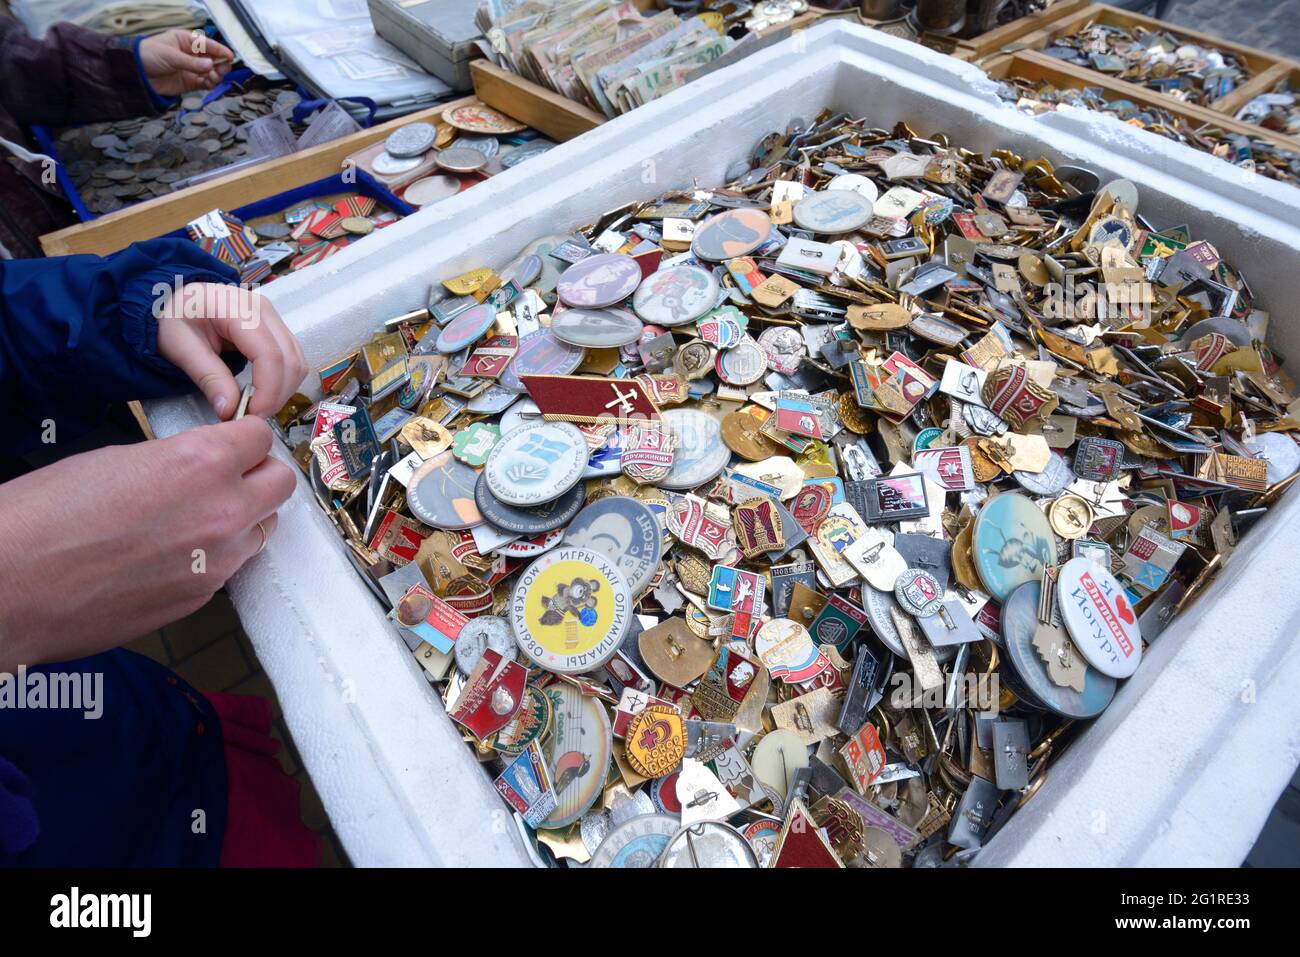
(467, 283)
(570, 610)
(656, 740)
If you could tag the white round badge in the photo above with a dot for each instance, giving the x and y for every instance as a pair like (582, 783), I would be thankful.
(1099, 617)
(860, 184)
(676, 295)
(833, 213)
(536, 463)
(700, 455)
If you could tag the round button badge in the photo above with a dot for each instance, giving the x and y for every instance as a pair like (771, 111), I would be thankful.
(700, 454)
(858, 183)
(540, 353)
(1019, 622)
(833, 212)
(676, 295)
(536, 463)
(466, 329)
(600, 280)
(525, 270)
(552, 268)
(737, 232)
(570, 610)
(578, 752)
(440, 493)
(623, 530)
(636, 843)
(597, 328)
(530, 520)
(531, 547)
(708, 844)
(1012, 543)
(1099, 617)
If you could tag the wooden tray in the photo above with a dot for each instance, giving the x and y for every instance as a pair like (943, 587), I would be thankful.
(557, 116)
(1263, 83)
(1264, 68)
(160, 215)
(1039, 68)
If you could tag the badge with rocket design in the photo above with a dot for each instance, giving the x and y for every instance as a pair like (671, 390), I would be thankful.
(526, 786)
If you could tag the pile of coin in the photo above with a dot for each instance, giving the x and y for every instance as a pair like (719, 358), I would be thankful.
(1156, 59)
(426, 162)
(804, 520)
(1247, 152)
(117, 163)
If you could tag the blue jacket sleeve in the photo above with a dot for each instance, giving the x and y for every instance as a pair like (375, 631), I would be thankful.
(79, 332)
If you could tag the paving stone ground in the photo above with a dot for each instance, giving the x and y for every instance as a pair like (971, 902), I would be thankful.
(1267, 24)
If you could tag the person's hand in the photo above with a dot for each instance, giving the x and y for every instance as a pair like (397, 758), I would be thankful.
(180, 61)
(207, 317)
(104, 547)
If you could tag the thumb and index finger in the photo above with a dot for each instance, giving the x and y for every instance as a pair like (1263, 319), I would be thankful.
(189, 350)
(246, 321)
(195, 52)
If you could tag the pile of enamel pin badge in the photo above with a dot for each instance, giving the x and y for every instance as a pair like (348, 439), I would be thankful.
(1162, 61)
(805, 520)
(302, 235)
(1252, 153)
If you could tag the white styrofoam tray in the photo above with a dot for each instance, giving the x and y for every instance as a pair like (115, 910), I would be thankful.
(1183, 767)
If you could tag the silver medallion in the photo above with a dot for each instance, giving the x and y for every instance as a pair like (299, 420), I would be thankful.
(411, 140)
(1051, 480)
(700, 454)
(597, 328)
(480, 634)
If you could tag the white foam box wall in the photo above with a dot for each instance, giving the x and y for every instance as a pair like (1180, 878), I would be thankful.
(1184, 766)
